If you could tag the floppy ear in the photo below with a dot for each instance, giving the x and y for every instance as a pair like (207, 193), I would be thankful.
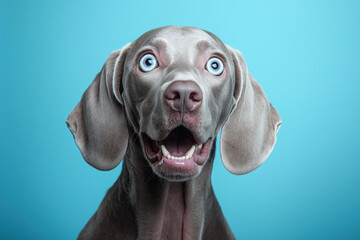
(249, 134)
(98, 122)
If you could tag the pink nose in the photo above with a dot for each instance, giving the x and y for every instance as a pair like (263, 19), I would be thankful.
(183, 96)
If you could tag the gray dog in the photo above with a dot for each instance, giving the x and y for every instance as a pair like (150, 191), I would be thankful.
(159, 103)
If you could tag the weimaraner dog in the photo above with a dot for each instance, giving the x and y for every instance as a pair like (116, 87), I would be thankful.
(159, 103)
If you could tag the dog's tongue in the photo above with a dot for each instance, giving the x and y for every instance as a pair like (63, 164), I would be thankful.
(179, 141)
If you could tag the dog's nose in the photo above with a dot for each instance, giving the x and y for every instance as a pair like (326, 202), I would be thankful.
(183, 96)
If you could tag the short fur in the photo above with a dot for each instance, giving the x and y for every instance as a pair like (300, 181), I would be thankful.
(123, 104)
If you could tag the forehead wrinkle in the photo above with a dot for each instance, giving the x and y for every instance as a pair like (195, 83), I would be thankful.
(159, 43)
(203, 45)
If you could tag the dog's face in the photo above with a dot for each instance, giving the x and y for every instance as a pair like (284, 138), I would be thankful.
(175, 87)
(177, 96)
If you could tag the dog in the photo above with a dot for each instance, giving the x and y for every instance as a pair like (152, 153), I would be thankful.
(159, 104)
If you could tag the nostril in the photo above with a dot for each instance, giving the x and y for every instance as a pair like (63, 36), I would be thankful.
(194, 96)
(172, 94)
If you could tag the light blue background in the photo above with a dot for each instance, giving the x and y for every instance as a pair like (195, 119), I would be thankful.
(305, 54)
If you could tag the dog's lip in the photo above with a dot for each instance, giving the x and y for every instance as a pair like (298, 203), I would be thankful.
(199, 156)
(157, 151)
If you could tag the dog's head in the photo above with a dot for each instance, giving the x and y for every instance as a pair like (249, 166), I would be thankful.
(175, 87)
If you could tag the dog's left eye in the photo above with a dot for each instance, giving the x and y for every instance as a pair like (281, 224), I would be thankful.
(215, 66)
(148, 63)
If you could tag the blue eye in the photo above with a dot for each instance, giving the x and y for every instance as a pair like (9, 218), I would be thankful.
(148, 63)
(215, 66)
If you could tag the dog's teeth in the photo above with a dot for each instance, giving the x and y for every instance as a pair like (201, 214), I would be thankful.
(187, 156)
(190, 152)
(165, 152)
(200, 146)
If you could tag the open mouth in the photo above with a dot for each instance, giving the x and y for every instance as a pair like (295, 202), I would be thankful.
(177, 152)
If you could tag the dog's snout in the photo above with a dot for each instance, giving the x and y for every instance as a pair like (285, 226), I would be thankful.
(183, 96)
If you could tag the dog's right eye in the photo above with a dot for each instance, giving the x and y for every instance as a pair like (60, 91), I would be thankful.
(148, 62)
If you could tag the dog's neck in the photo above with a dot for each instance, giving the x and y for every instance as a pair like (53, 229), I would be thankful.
(165, 209)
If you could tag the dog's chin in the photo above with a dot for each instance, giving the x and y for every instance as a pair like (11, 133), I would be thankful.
(178, 157)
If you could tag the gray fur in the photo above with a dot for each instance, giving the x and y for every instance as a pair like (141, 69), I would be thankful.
(122, 105)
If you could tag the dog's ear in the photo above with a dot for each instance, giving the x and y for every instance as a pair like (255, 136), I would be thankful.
(98, 122)
(249, 134)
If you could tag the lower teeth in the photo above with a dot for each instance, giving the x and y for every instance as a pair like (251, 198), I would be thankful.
(187, 156)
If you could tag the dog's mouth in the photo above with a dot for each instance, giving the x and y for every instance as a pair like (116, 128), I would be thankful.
(178, 153)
